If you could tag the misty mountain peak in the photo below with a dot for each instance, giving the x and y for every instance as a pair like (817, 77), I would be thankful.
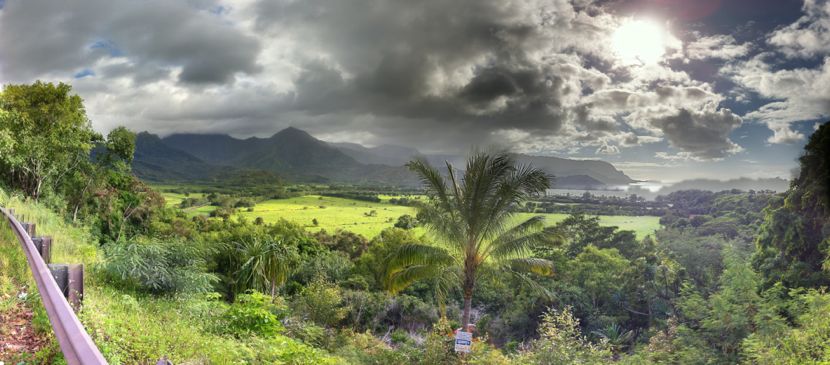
(292, 132)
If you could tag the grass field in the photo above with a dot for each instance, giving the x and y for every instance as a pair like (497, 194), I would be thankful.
(355, 215)
(331, 213)
(642, 225)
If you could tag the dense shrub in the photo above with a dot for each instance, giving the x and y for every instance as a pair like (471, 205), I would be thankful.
(254, 314)
(321, 302)
(347, 242)
(332, 266)
(159, 267)
(406, 221)
(561, 342)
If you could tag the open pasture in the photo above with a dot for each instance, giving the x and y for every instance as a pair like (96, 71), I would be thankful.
(356, 216)
(331, 213)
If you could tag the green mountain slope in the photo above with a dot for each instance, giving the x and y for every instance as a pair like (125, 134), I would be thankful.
(156, 161)
(297, 156)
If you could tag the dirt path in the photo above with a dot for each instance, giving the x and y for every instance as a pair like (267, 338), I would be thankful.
(18, 339)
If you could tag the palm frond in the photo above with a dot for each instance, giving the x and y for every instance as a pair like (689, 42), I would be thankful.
(534, 285)
(414, 262)
(432, 180)
(518, 184)
(531, 264)
(519, 246)
(418, 254)
(444, 282)
(402, 278)
(445, 226)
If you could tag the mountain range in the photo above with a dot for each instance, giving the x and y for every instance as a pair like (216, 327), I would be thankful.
(744, 183)
(297, 156)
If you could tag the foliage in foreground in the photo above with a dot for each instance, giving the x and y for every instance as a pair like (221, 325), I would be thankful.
(160, 267)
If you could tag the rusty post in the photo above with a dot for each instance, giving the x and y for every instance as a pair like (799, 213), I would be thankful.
(44, 247)
(70, 280)
(60, 272)
(75, 286)
(29, 228)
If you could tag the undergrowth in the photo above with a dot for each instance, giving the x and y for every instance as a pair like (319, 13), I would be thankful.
(132, 327)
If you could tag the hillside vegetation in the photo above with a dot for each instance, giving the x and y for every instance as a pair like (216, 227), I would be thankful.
(729, 277)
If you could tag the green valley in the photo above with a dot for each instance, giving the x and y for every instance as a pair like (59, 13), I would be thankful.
(291, 260)
(370, 218)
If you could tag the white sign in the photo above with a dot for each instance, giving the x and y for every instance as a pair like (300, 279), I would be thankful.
(463, 341)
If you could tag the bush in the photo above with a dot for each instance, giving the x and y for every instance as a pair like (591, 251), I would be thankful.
(347, 242)
(284, 350)
(158, 267)
(406, 221)
(307, 332)
(438, 346)
(223, 212)
(254, 314)
(331, 266)
(561, 342)
(364, 348)
(322, 303)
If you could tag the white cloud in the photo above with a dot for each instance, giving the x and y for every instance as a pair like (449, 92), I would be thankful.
(720, 46)
(808, 36)
(797, 93)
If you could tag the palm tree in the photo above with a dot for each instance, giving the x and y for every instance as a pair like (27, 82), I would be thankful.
(471, 219)
(265, 264)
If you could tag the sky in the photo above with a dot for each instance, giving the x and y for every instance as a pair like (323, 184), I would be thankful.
(663, 89)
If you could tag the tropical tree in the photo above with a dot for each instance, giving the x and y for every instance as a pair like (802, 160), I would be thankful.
(265, 264)
(792, 244)
(471, 218)
(46, 136)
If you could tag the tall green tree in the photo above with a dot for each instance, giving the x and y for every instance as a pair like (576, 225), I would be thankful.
(792, 247)
(109, 170)
(51, 132)
(472, 218)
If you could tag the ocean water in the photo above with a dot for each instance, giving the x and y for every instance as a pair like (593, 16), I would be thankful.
(646, 189)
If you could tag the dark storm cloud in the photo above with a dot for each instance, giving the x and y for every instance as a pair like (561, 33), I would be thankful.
(443, 63)
(41, 37)
(536, 75)
(703, 135)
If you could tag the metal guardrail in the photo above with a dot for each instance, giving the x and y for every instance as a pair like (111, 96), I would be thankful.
(75, 343)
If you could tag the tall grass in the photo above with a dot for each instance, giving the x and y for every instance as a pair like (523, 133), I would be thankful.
(18, 293)
(135, 328)
(70, 244)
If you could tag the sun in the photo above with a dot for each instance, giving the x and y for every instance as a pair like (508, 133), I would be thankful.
(640, 42)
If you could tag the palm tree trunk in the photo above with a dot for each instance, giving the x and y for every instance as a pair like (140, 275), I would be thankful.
(465, 318)
(469, 284)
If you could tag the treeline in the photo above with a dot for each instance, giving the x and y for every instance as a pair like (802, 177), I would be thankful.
(368, 197)
(588, 203)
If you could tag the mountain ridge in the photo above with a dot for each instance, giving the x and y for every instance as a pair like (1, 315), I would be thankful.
(296, 155)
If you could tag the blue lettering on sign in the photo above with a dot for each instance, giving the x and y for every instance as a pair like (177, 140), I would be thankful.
(462, 342)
